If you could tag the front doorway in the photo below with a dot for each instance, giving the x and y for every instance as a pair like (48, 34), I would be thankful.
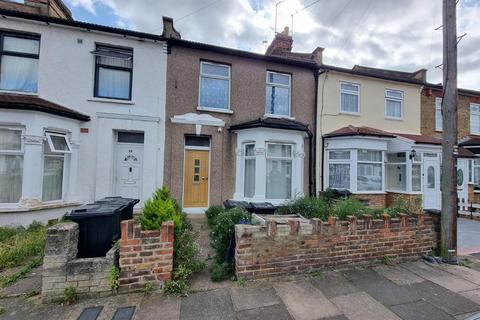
(129, 164)
(196, 174)
(462, 183)
(431, 182)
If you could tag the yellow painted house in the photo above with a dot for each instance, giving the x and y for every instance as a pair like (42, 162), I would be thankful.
(369, 139)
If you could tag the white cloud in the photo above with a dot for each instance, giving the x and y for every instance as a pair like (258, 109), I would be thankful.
(388, 33)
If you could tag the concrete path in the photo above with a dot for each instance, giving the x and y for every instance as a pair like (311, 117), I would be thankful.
(468, 236)
(409, 291)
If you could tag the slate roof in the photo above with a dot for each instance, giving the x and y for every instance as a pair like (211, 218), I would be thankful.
(359, 131)
(420, 138)
(34, 103)
(274, 123)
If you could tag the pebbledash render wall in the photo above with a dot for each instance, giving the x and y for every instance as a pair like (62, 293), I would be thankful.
(145, 256)
(274, 250)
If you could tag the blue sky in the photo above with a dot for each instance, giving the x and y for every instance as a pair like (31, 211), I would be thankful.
(378, 33)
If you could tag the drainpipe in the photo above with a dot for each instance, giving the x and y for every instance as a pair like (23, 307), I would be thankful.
(313, 143)
(316, 114)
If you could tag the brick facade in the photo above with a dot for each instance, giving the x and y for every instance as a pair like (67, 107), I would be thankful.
(62, 269)
(274, 249)
(145, 256)
(410, 198)
(374, 200)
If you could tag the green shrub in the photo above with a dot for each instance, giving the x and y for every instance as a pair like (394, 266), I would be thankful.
(347, 207)
(221, 271)
(113, 278)
(308, 207)
(160, 208)
(223, 227)
(212, 213)
(178, 285)
(70, 295)
(402, 205)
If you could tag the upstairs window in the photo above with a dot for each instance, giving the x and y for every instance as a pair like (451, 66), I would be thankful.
(113, 72)
(393, 104)
(19, 62)
(474, 118)
(214, 86)
(438, 114)
(278, 94)
(349, 98)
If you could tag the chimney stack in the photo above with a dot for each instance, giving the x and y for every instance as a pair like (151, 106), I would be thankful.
(169, 30)
(281, 43)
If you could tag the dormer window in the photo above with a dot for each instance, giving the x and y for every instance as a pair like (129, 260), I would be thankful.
(278, 94)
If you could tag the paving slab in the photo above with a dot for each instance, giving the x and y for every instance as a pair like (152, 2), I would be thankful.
(381, 288)
(304, 301)
(209, 305)
(473, 295)
(449, 301)
(420, 310)
(334, 284)
(361, 306)
(254, 296)
(440, 277)
(398, 275)
(25, 286)
(468, 274)
(275, 312)
(21, 308)
(468, 316)
(157, 304)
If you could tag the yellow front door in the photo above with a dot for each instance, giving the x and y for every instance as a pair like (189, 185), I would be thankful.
(195, 180)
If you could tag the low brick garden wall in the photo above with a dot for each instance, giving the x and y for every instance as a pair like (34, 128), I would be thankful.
(145, 256)
(280, 249)
(62, 269)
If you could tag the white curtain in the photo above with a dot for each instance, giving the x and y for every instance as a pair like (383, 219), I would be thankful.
(277, 100)
(52, 178)
(214, 93)
(349, 102)
(19, 74)
(113, 83)
(10, 139)
(249, 182)
(394, 108)
(11, 171)
(339, 175)
(279, 179)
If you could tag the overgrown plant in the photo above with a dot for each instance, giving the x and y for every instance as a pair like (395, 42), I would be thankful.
(70, 295)
(212, 212)
(308, 207)
(410, 206)
(148, 288)
(113, 278)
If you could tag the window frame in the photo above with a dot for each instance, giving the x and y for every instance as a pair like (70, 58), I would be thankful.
(348, 161)
(20, 152)
(476, 113)
(4, 34)
(381, 162)
(273, 84)
(245, 158)
(395, 99)
(398, 163)
(99, 65)
(291, 158)
(229, 78)
(53, 150)
(438, 108)
(351, 93)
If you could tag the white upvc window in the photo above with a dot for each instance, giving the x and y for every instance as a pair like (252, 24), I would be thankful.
(393, 104)
(396, 174)
(476, 173)
(278, 92)
(279, 171)
(339, 169)
(249, 175)
(55, 149)
(474, 118)
(11, 164)
(214, 92)
(438, 114)
(369, 170)
(349, 97)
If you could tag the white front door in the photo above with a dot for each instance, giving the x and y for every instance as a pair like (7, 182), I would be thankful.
(431, 183)
(128, 170)
(462, 182)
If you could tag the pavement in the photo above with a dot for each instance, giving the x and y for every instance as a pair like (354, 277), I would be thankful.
(409, 291)
(468, 236)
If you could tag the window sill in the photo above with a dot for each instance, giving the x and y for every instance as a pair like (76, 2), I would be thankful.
(227, 111)
(405, 192)
(12, 208)
(369, 192)
(114, 101)
(353, 114)
(278, 116)
(394, 119)
(26, 93)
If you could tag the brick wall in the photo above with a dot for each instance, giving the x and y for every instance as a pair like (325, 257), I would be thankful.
(374, 200)
(274, 249)
(410, 198)
(145, 256)
(61, 269)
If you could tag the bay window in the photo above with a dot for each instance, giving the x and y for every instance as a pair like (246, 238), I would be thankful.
(476, 173)
(369, 170)
(55, 148)
(396, 171)
(11, 165)
(113, 72)
(278, 94)
(249, 179)
(339, 169)
(19, 56)
(214, 86)
(279, 171)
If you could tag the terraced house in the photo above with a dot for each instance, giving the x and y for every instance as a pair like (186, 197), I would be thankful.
(370, 140)
(82, 110)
